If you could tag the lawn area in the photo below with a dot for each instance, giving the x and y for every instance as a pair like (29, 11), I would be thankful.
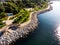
(22, 16)
(17, 8)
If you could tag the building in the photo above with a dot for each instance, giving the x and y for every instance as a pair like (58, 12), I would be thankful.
(9, 14)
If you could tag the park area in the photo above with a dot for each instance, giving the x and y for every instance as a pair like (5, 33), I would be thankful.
(16, 12)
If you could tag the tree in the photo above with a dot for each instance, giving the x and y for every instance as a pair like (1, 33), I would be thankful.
(2, 15)
(2, 9)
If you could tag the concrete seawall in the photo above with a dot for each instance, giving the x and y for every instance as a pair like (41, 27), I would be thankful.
(10, 36)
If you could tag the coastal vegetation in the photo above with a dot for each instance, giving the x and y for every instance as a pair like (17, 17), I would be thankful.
(19, 18)
(19, 10)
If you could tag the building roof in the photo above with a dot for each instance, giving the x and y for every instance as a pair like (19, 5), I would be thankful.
(9, 14)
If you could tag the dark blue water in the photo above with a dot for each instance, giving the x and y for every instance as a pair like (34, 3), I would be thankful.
(48, 31)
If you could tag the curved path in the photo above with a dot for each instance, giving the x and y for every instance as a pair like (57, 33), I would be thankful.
(12, 35)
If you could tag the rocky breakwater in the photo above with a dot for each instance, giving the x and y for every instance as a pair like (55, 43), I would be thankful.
(10, 35)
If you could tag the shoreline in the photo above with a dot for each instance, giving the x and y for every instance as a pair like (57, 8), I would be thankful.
(24, 29)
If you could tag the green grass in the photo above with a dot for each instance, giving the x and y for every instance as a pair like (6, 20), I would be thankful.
(1, 25)
(22, 16)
